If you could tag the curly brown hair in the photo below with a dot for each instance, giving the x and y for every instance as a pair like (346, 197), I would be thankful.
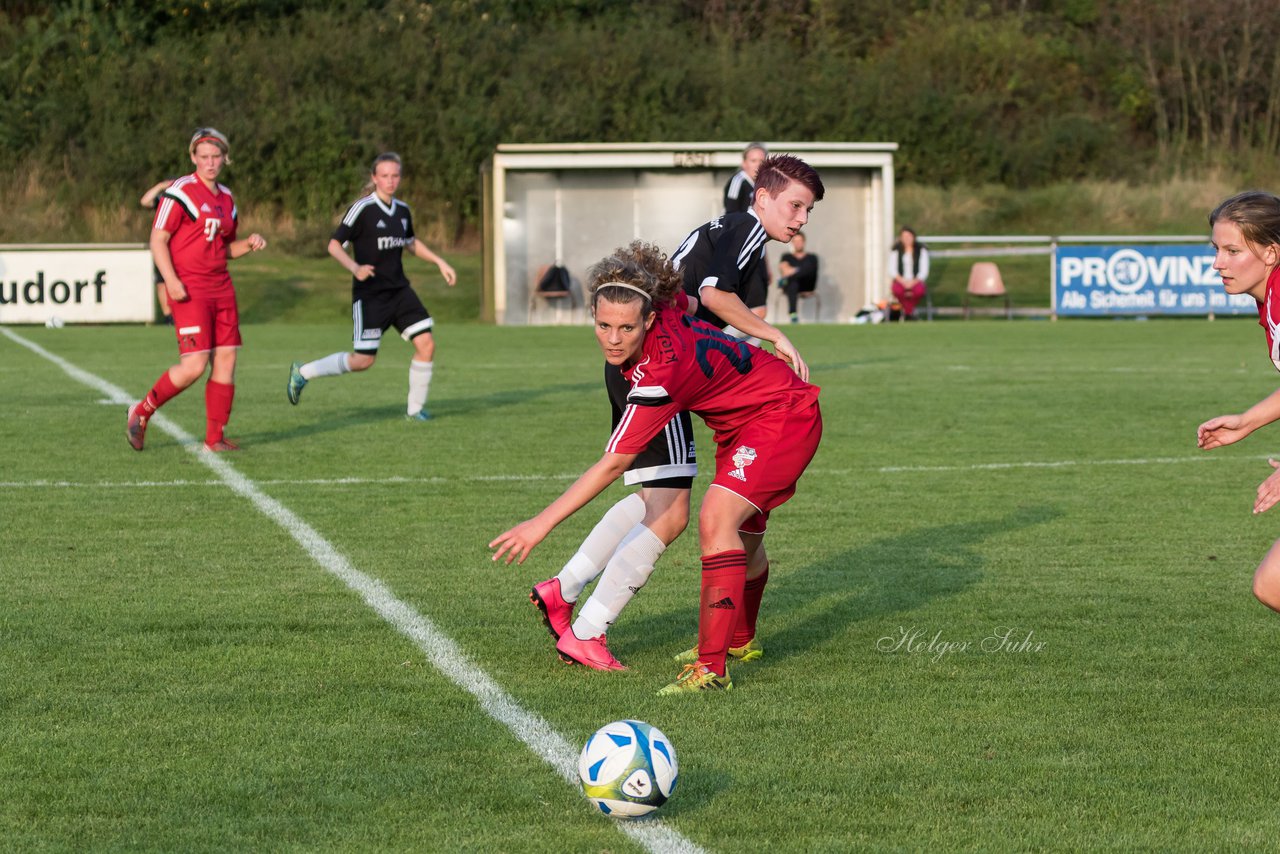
(641, 265)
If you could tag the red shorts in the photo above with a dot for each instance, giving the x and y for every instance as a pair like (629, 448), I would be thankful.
(762, 462)
(202, 323)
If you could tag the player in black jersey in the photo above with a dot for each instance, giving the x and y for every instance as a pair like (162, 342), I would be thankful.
(719, 259)
(740, 190)
(624, 546)
(739, 195)
(379, 227)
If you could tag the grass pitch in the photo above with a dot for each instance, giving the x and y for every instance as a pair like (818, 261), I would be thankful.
(1009, 608)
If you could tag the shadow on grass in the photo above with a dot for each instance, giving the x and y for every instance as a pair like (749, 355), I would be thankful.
(891, 575)
(330, 422)
(515, 396)
(446, 408)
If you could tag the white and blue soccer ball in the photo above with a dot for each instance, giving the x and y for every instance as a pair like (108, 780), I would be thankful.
(628, 769)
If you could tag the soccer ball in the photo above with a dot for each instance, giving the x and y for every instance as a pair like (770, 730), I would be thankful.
(628, 769)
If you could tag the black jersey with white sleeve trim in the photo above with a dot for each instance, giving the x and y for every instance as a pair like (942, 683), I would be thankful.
(377, 234)
(724, 254)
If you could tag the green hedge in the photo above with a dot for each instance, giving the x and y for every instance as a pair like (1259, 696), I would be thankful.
(102, 96)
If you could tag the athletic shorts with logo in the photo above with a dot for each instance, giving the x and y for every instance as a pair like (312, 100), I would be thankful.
(203, 323)
(670, 461)
(763, 461)
(374, 313)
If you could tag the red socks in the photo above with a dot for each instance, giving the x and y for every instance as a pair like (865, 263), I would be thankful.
(723, 578)
(217, 404)
(163, 390)
(217, 409)
(752, 593)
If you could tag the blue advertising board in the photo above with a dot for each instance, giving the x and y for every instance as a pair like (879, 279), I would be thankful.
(1093, 281)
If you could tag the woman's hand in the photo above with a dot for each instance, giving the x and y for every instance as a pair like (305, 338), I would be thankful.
(1223, 430)
(516, 543)
(1269, 490)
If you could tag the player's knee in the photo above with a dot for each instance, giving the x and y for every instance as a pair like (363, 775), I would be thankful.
(360, 361)
(1266, 583)
(188, 371)
(669, 525)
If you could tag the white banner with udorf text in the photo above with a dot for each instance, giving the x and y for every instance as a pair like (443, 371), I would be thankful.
(76, 284)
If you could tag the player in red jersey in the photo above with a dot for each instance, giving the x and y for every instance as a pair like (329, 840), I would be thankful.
(766, 421)
(1246, 243)
(193, 236)
(716, 261)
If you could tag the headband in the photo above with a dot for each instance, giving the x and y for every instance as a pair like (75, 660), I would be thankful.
(640, 291)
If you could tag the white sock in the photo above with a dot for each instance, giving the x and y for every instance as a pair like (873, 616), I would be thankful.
(330, 366)
(419, 382)
(628, 570)
(600, 545)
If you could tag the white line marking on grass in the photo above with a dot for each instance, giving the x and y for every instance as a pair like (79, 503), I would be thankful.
(1056, 464)
(314, 481)
(445, 655)
(521, 478)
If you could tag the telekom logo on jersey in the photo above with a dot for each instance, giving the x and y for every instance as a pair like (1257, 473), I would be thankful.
(211, 228)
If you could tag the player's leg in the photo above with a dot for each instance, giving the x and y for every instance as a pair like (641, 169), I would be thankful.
(556, 596)
(420, 370)
(412, 320)
(364, 350)
(724, 570)
(756, 471)
(631, 564)
(219, 393)
(665, 472)
(1266, 581)
(193, 326)
(743, 645)
(792, 291)
(220, 389)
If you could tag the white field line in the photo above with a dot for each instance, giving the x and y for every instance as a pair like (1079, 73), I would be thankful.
(1057, 464)
(445, 655)
(499, 478)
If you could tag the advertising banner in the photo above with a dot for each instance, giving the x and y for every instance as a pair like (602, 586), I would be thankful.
(93, 284)
(1094, 281)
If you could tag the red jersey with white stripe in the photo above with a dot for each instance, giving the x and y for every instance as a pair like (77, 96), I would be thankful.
(688, 364)
(1269, 316)
(202, 224)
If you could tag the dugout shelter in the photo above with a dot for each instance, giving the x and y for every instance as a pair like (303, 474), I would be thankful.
(570, 204)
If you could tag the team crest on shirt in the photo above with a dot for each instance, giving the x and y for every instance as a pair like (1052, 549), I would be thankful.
(404, 223)
(742, 458)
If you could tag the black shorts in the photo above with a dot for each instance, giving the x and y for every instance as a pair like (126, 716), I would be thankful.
(376, 312)
(670, 461)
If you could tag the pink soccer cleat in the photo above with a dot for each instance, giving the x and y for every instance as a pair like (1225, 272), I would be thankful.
(136, 427)
(556, 612)
(590, 653)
